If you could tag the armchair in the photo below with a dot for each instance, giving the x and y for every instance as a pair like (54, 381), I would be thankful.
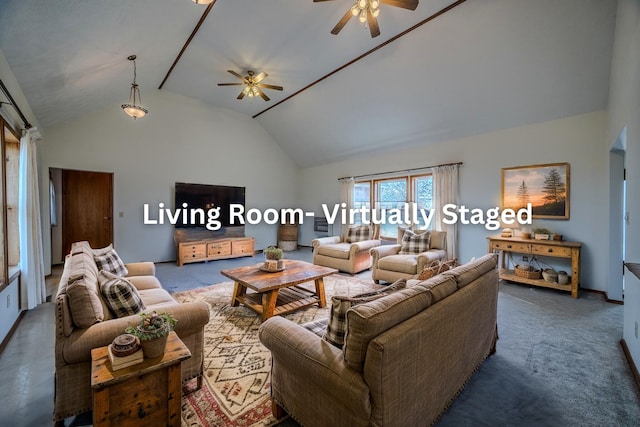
(348, 252)
(389, 264)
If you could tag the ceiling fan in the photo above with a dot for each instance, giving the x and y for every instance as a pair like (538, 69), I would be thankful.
(253, 87)
(367, 12)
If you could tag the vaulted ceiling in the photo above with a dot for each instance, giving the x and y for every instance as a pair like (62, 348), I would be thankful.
(481, 66)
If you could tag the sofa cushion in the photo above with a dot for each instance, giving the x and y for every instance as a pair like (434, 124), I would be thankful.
(400, 263)
(337, 325)
(359, 233)
(335, 250)
(368, 320)
(470, 271)
(111, 262)
(145, 282)
(413, 243)
(156, 298)
(120, 295)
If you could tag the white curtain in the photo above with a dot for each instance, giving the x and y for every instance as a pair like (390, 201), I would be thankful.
(33, 289)
(445, 190)
(346, 196)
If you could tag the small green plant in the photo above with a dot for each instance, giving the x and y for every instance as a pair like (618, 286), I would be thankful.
(541, 231)
(273, 252)
(153, 325)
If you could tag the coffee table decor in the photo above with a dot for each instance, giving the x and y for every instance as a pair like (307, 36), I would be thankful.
(273, 260)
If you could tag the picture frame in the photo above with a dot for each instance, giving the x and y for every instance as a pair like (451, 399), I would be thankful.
(545, 186)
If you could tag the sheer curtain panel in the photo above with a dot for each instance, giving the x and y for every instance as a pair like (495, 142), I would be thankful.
(33, 289)
(445, 190)
(346, 196)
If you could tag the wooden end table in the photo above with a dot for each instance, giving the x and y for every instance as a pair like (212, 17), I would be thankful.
(148, 393)
(277, 293)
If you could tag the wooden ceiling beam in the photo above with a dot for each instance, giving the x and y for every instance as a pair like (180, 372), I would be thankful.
(186, 44)
(369, 52)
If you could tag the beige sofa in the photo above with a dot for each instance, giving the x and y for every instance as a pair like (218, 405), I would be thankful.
(406, 356)
(339, 253)
(74, 343)
(389, 265)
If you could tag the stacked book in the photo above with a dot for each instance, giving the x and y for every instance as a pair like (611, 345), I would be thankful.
(125, 351)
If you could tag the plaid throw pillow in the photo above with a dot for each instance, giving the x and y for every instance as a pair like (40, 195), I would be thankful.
(413, 243)
(111, 262)
(121, 296)
(337, 326)
(358, 234)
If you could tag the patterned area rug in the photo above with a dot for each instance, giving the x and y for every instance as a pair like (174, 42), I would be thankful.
(237, 367)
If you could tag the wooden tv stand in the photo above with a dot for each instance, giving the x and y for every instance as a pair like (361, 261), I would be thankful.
(547, 248)
(215, 248)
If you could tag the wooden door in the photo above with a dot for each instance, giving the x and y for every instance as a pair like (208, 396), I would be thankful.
(87, 208)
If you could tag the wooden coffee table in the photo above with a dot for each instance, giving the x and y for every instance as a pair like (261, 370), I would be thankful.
(277, 293)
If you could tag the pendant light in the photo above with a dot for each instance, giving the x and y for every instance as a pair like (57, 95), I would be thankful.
(133, 109)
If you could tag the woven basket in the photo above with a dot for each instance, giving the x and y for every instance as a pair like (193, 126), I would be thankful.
(528, 272)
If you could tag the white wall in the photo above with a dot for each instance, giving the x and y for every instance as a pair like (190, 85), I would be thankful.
(577, 140)
(624, 110)
(179, 140)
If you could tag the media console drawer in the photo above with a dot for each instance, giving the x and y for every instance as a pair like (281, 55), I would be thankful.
(212, 249)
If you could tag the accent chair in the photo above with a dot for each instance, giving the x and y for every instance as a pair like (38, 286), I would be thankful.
(414, 251)
(348, 252)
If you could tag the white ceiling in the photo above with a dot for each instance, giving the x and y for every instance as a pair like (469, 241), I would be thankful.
(483, 66)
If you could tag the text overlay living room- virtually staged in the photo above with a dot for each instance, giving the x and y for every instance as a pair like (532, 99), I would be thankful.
(320, 213)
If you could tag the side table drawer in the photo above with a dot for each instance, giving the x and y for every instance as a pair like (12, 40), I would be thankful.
(552, 251)
(510, 246)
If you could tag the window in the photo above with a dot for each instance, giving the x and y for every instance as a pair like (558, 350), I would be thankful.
(9, 236)
(390, 194)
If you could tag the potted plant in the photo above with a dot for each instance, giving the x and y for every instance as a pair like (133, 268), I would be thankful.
(273, 258)
(153, 331)
(541, 233)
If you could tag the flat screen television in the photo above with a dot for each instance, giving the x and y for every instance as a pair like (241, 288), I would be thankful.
(205, 196)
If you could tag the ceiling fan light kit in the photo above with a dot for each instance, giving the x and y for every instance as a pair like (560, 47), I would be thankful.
(133, 109)
(253, 84)
(368, 11)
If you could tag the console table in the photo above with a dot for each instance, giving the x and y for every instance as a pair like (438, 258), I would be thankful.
(546, 248)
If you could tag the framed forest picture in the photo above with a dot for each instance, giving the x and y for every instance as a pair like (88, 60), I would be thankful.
(546, 187)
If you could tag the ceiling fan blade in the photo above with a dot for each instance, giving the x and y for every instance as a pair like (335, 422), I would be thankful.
(316, 1)
(374, 28)
(405, 4)
(241, 95)
(342, 22)
(236, 74)
(263, 95)
(266, 86)
(260, 77)
(230, 84)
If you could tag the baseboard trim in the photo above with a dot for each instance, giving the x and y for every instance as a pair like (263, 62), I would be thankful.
(604, 295)
(6, 339)
(632, 365)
